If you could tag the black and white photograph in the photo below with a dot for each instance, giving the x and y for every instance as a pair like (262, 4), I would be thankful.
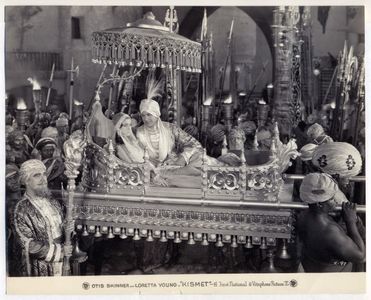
(177, 140)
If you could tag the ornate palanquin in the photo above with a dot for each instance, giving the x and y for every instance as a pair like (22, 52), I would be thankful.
(237, 205)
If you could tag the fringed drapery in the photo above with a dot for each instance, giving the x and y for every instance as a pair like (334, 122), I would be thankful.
(154, 48)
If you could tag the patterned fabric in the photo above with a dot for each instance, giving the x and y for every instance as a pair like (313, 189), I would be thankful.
(55, 172)
(178, 141)
(38, 231)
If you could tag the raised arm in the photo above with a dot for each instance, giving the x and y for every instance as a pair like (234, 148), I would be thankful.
(347, 246)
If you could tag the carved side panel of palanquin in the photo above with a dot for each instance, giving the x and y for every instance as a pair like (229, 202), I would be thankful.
(104, 172)
(118, 198)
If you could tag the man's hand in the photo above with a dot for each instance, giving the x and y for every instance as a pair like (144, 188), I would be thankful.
(349, 212)
(68, 250)
(69, 226)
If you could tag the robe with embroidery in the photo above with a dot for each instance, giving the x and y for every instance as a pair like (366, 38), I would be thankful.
(38, 231)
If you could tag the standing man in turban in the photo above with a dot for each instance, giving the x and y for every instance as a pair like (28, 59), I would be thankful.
(316, 135)
(38, 222)
(53, 162)
(327, 247)
(63, 129)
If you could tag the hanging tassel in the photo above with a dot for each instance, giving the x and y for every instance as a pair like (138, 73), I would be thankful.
(174, 59)
(181, 57)
(127, 52)
(158, 58)
(166, 57)
(150, 55)
(143, 54)
(132, 52)
(114, 52)
(119, 53)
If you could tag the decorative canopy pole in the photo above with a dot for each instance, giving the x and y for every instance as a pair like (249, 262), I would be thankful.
(73, 149)
(287, 92)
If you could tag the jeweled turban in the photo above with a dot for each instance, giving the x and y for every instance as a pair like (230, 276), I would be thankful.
(151, 107)
(338, 158)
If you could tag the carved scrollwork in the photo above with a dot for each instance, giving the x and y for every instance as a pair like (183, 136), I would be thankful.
(223, 181)
(262, 180)
(286, 152)
(131, 177)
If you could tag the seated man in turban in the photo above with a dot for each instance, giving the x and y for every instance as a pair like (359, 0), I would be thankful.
(38, 222)
(165, 142)
(327, 247)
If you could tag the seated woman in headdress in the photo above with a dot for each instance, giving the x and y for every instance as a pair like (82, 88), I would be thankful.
(127, 146)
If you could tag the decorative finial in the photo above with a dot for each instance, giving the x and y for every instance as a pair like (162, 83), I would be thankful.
(225, 144)
(242, 156)
(256, 144)
(171, 20)
(146, 155)
(111, 148)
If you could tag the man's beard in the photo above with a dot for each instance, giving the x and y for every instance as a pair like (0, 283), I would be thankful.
(43, 192)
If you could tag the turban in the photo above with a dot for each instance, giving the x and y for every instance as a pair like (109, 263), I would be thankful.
(307, 151)
(318, 187)
(191, 130)
(45, 116)
(14, 134)
(236, 133)
(248, 127)
(30, 166)
(338, 158)
(217, 133)
(8, 129)
(49, 132)
(315, 131)
(11, 170)
(61, 121)
(151, 107)
(45, 141)
(263, 135)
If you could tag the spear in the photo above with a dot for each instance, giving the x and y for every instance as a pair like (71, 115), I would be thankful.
(97, 86)
(72, 71)
(224, 70)
(50, 85)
